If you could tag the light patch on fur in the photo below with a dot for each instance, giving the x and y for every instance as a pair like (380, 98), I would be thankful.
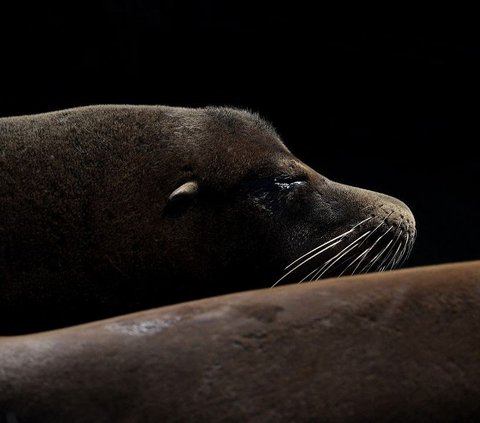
(145, 327)
(213, 313)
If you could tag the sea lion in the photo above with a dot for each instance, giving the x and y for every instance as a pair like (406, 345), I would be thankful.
(400, 346)
(111, 209)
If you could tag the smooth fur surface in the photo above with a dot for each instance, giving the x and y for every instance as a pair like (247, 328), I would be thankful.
(401, 346)
(96, 219)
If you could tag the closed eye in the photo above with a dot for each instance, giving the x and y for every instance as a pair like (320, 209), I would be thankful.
(280, 183)
(289, 184)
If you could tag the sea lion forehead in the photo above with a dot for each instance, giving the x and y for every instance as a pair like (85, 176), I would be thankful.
(236, 125)
(238, 140)
(234, 119)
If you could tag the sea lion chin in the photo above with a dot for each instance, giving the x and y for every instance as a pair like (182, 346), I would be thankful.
(113, 209)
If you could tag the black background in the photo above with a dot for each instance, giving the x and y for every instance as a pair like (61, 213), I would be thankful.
(383, 99)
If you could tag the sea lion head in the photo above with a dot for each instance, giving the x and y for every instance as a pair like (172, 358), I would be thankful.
(243, 212)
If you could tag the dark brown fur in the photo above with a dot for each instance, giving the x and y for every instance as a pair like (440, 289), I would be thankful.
(87, 231)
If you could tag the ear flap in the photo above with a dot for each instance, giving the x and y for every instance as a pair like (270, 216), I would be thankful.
(183, 195)
(188, 189)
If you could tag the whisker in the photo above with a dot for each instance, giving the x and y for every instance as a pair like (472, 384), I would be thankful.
(341, 236)
(353, 262)
(383, 264)
(410, 247)
(372, 262)
(328, 242)
(341, 254)
(305, 261)
(408, 250)
(396, 238)
(316, 249)
(370, 249)
(375, 229)
(327, 266)
(392, 255)
(388, 256)
(404, 251)
(310, 274)
(365, 253)
(396, 264)
(391, 263)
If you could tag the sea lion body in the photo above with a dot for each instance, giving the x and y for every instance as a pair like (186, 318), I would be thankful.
(401, 346)
(111, 209)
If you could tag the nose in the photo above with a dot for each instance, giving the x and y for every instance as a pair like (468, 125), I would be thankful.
(398, 212)
(380, 208)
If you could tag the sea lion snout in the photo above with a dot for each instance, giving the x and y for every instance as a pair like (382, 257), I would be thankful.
(368, 231)
(363, 203)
